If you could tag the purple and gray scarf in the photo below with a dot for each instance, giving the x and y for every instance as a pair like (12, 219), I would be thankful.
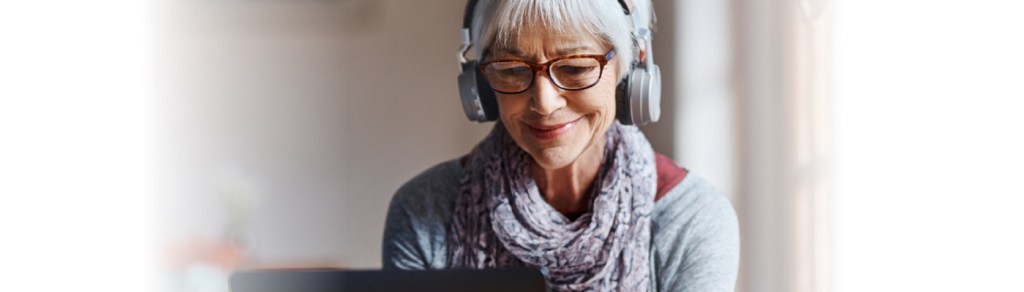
(502, 220)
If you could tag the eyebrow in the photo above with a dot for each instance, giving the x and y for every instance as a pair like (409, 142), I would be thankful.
(560, 52)
(572, 50)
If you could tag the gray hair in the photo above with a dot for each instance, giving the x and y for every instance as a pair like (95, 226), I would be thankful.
(495, 22)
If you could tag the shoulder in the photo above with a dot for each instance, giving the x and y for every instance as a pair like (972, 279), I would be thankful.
(437, 184)
(683, 196)
(691, 199)
(418, 216)
(696, 238)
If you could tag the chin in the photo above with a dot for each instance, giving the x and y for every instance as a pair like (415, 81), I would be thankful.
(559, 155)
(553, 158)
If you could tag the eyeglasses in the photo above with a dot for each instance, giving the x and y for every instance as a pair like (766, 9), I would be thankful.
(576, 72)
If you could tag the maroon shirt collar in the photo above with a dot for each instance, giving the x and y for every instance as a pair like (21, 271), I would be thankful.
(669, 175)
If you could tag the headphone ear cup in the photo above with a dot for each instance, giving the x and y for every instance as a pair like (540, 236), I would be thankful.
(622, 110)
(642, 102)
(487, 97)
(653, 100)
(476, 95)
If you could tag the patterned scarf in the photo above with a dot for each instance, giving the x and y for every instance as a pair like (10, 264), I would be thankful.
(502, 220)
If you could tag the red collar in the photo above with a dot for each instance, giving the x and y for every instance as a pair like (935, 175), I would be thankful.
(669, 175)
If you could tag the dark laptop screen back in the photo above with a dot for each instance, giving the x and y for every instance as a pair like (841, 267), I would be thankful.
(359, 281)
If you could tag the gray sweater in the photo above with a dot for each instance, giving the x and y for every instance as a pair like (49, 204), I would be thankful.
(694, 229)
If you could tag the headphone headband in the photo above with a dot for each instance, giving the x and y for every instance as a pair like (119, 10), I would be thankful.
(467, 18)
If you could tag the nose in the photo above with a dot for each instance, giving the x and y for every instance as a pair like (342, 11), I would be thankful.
(545, 98)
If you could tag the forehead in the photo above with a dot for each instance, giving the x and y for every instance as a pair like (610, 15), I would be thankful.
(540, 42)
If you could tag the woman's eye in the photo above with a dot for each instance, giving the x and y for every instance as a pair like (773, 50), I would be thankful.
(516, 71)
(574, 70)
(511, 70)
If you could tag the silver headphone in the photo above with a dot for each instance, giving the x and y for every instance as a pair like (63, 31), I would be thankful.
(637, 98)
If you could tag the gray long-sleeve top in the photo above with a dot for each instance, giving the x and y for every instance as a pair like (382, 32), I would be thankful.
(694, 229)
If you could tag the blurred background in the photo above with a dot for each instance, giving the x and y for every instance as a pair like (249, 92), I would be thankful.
(158, 145)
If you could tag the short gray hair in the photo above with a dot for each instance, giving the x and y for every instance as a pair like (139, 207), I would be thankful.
(498, 21)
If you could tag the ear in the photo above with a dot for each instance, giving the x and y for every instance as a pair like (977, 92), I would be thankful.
(643, 54)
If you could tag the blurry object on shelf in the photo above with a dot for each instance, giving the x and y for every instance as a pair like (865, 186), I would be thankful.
(241, 195)
(203, 263)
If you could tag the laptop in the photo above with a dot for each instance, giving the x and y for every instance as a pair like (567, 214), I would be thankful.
(331, 280)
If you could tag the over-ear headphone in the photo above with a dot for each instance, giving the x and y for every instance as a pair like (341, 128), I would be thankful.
(637, 97)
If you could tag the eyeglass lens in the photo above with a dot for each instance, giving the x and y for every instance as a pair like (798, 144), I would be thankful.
(569, 74)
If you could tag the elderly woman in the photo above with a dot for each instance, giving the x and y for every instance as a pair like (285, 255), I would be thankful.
(561, 183)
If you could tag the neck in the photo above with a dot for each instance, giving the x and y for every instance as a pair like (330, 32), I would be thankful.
(567, 189)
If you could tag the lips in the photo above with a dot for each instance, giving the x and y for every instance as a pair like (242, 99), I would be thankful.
(551, 131)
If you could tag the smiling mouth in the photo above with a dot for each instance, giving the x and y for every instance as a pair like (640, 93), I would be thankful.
(548, 132)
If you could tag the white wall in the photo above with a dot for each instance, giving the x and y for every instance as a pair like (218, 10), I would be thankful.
(928, 124)
(72, 131)
(705, 110)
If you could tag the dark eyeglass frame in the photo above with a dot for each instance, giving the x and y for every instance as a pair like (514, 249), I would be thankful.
(546, 66)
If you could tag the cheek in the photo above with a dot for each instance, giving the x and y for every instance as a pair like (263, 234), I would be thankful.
(511, 108)
(605, 89)
(602, 101)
